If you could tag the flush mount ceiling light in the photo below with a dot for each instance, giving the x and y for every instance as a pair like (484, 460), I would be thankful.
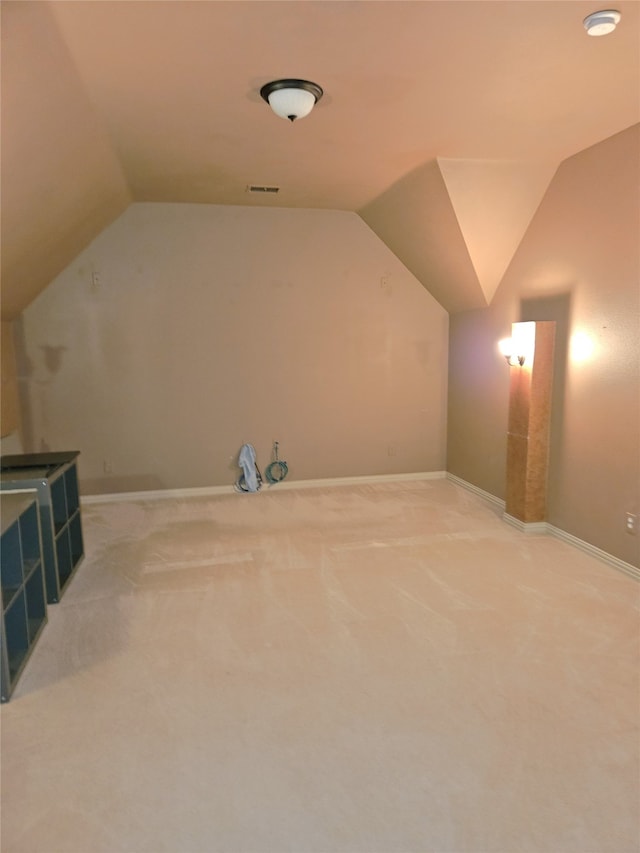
(291, 99)
(602, 23)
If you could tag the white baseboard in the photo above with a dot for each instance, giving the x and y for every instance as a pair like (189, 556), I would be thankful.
(543, 527)
(359, 481)
(526, 526)
(156, 495)
(208, 491)
(621, 565)
(487, 496)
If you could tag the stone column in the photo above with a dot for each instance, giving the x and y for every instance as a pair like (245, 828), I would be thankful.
(529, 422)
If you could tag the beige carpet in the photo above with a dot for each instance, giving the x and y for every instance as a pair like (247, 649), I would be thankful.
(383, 667)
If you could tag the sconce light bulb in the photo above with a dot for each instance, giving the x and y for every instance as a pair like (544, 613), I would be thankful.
(506, 347)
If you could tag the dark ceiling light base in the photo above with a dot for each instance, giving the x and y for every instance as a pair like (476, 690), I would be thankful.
(291, 99)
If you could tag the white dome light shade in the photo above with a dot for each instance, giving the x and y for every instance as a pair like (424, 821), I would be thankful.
(291, 99)
(291, 103)
(602, 23)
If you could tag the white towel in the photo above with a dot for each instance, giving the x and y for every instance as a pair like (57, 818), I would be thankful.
(247, 461)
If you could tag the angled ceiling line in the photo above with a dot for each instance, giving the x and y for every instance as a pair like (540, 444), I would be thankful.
(494, 202)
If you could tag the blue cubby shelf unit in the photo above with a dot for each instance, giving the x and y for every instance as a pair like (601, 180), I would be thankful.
(24, 603)
(54, 477)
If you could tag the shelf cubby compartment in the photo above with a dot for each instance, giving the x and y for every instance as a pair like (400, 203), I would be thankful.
(12, 577)
(30, 538)
(36, 603)
(71, 490)
(17, 634)
(75, 539)
(59, 504)
(63, 556)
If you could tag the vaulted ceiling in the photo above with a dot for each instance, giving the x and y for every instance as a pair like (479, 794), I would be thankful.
(442, 123)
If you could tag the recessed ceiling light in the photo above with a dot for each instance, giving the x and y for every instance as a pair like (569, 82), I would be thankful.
(602, 23)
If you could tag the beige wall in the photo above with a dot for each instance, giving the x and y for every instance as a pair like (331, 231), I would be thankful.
(9, 403)
(578, 264)
(184, 331)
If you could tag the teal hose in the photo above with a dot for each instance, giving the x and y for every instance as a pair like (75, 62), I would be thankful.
(276, 471)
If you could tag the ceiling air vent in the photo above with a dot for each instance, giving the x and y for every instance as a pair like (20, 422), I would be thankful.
(254, 188)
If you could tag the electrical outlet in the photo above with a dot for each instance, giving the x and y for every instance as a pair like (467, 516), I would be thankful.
(632, 522)
(107, 467)
(391, 450)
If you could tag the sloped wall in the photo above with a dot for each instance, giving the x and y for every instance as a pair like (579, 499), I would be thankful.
(579, 265)
(184, 331)
(416, 219)
(456, 223)
(61, 180)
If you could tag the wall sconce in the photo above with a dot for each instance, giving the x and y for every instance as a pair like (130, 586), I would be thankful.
(506, 346)
(519, 348)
